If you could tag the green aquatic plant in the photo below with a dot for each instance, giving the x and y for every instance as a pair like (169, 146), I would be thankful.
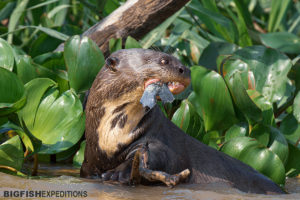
(243, 100)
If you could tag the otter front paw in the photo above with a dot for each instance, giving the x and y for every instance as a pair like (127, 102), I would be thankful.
(140, 169)
(120, 173)
(119, 176)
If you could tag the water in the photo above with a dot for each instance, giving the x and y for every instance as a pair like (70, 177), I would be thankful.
(66, 179)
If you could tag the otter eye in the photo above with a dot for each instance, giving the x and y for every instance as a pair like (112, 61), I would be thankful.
(164, 61)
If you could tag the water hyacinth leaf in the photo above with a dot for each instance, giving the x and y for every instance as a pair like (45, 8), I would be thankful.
(132, 43)
(58, 121)
(188, 120)
(11, 153)
(278, 144)
(6, 55)
(79, 156)
(12, 92)
(82, 71)
(293, 163)
(31, 143)
(264, 161)
(296, 107)
(43, 44)
(229, 65)
(235, 146)
(242, 99)
(213, 51)
(67, 154)
(59, 76)
(249, 151)
(283, 41)
(270, 69)
(194, 99)
(237, 130)
(214, 99)
(25, 69)
(261, 133)
(212, 139)
(290, 128)
(52, 60)
(115, 44)
(35, 92)
(264, 105)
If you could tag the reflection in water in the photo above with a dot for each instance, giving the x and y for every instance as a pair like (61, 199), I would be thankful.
(67, 180)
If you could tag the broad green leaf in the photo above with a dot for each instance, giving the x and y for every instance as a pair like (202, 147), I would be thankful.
(43, 44)
(25, 69)
(79, 156)
(36, 90)
(6, 55)
(31, 143)
(59, 76)
(115, 44)
(212, 139)
(15, 17)
(242, 99)
(58, 121)
(261, 133)
(283, 41)
(296, 107)
(11, 153)
(12, 93)
(187, 119)
(249, 151)
(293, 163)
(132, 43)
(67, 154)
(214, 99)
(194, 99)
(278, 144)
(82, 71)
(52, 60)
(237, 130)
(235, 146)
(290, 128)
(264, 161)
(270, 69)
(264, 105)
(6, 11)
(212, 51)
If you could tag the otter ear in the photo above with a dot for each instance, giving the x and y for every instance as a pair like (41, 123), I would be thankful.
(111, 63)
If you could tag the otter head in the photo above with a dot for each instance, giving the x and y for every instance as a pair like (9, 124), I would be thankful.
(113, 108)
(148, 66)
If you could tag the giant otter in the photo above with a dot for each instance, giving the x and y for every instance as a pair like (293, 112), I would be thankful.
(132, 144)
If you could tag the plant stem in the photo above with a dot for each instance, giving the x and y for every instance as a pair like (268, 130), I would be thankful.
(35, 165)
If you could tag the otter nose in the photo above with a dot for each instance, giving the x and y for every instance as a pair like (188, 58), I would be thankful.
(184, 70)
(181, 69)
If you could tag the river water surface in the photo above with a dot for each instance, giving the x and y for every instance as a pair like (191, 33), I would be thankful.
(66, 179)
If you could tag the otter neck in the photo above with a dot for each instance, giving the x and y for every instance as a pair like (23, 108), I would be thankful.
(116, 128)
